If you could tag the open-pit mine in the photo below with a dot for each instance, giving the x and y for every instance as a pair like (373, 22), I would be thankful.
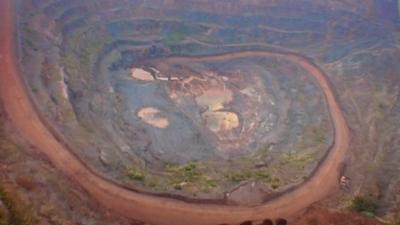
(173, 112)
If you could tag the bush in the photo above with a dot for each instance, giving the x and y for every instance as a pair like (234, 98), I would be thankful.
(365, 204)
(136, 174)
(192, 176)
(236, 177)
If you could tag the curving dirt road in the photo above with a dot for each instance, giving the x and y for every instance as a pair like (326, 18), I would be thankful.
(158, 210)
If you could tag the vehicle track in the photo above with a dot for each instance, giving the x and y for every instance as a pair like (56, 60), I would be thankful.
(161, 210)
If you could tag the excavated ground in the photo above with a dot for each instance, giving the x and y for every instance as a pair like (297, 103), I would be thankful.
(201, 128)
(137, 101)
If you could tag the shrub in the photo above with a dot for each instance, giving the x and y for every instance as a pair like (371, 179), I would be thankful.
(365, 204)
(275, 183)
(192, 176)
(236, 177)
(184, 173)
(136, 174)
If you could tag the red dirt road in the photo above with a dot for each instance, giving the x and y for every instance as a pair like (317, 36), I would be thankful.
(158, 210)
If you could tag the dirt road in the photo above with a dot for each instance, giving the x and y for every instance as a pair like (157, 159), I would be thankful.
(157, 210)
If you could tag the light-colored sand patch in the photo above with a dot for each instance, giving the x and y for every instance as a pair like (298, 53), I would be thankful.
(141, 74)
(154, 70)
(193, 78)
(216, 119)
(221, 121)
(63, 85)
(249, 91)
(215, 98)
(152, 117)
(162, 78)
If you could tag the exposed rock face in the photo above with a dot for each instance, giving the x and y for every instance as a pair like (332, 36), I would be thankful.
(247, 194)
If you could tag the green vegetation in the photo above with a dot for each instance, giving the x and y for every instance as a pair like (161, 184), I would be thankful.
(197, 177)
(191, 175)
(238, 176)
(365, 204)
(136, 174)
(275, 183)
(299, 160)
(188, 172)
(262, 175)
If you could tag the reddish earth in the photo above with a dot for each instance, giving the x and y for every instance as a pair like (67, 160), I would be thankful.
(320, 216)
(158, 210)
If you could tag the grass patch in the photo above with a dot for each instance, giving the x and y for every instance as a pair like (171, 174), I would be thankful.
(295, 158)
(238, 176)
(264, 176)
(197, 177)
(275, 183)
(136, 174)
(191, 176)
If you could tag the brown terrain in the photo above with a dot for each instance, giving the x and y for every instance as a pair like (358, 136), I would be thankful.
(158, 210)
(321, 216)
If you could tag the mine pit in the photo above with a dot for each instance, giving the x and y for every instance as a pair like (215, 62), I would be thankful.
(178, 118)
(163, 112)
(223, 110)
